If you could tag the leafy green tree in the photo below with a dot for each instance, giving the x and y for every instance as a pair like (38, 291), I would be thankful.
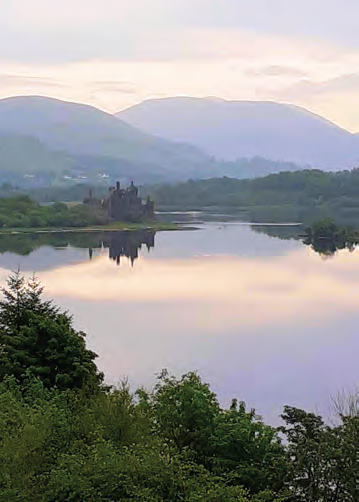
(34, 430)
(324, 460)
(246, 449)
(185, 412)
(37, 339)
(232, 443)
(58, 446)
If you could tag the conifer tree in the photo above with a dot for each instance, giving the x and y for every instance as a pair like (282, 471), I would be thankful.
(37, 339)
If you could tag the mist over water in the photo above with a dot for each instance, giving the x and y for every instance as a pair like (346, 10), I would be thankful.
(260, 315)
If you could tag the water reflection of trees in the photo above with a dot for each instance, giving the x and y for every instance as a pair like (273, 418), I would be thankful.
(326, 237)
(326, 247)
(120, 243)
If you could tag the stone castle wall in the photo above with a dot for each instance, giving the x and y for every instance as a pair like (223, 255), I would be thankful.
(124, 204)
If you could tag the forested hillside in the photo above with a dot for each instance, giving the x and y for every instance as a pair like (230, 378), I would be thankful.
(94, 140)
(21, 155)
(301, 195)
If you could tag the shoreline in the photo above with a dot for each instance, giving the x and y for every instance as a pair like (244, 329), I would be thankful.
(120, 226)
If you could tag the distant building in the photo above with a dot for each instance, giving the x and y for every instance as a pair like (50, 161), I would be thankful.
(124, 204)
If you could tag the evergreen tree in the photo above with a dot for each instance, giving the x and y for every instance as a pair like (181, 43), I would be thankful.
(37, 339)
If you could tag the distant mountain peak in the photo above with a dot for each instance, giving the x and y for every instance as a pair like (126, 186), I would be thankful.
(232, 129)
(96, 136)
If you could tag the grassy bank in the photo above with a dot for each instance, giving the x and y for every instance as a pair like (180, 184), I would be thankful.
(23, 215)
(118, 225)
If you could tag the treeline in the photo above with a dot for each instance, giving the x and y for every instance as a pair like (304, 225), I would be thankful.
(65, 436)
(306, 195)
(22, 212)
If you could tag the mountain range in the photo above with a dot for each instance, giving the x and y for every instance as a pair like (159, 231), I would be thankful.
(164, 140)
(83, 138)
(231, 130)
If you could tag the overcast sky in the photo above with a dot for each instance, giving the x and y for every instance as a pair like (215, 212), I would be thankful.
(115, 53)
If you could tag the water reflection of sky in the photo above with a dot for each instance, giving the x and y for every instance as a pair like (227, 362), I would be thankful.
(263, 319)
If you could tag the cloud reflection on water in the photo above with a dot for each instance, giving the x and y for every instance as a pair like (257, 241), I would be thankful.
(272, 329)
(291, 286)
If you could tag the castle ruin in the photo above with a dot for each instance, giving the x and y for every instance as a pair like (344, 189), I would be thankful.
(124, 204)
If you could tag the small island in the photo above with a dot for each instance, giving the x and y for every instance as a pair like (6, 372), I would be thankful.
(123, 209)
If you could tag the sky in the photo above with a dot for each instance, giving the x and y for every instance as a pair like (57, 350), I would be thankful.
(115, 53)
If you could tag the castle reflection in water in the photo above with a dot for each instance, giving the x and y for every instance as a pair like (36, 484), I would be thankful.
(126, 243)
(119, 243)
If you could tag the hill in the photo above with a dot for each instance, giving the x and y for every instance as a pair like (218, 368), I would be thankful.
(230, 130)
(26, 155)
(303, 196)
(86, 133)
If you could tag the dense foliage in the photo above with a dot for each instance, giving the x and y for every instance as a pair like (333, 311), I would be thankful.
(327, 229)
(306, 195)
(326, 237)
(62, 439)
(23, 212)
(38, 340)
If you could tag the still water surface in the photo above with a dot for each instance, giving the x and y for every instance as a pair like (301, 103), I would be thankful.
(262, 317)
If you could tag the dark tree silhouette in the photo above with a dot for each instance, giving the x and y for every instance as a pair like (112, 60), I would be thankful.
(37, 339)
